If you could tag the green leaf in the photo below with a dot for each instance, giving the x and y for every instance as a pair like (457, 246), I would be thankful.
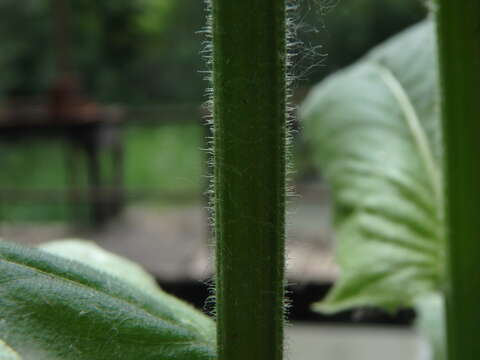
(375, 132)
(55, 308)
(7, 353)
(91, 254)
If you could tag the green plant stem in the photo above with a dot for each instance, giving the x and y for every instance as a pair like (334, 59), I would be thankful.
(459, 44)
(249, 62)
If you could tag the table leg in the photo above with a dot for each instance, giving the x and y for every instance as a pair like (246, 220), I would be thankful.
(97, 203)
(118, 178)
(71, 167)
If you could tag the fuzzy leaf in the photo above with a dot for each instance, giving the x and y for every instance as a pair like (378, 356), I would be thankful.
(375, 132)
(91, 254)
(7, 353)
(55, 308)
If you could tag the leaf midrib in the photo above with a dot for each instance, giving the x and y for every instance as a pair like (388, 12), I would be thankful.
(79, 284)
(414, 126)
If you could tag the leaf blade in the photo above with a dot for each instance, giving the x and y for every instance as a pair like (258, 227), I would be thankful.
(92, 255)
(63, 309)
(375, 134)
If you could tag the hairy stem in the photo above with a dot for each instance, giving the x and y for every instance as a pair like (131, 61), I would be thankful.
(249, 62)
(459, 40)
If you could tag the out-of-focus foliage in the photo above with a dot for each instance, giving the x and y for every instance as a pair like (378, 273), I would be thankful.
(110, 41)
(176, 150)
(374, 128)
(375, 131)
(25, 51)
(146, 51)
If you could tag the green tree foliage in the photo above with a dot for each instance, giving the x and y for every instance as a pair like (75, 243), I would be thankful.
(25, 56)
(108, 40)
(118, 45)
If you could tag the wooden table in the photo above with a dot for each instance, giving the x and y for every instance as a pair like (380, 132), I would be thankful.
(88, 131)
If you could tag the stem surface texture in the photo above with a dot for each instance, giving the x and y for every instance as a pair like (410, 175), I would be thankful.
(249, 64)
(459, 40)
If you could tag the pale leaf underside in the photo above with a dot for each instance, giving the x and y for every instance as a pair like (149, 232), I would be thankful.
(375, 131)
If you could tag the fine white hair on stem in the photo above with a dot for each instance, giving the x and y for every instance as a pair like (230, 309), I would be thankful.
(298, 54)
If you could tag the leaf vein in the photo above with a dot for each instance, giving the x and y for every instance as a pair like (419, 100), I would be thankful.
(79, 284)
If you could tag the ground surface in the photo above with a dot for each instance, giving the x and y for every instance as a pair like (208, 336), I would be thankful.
(313, 342)
(174, 242)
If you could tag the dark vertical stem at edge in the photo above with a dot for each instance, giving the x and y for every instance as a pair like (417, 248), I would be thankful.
(459, 50)
(249, 64)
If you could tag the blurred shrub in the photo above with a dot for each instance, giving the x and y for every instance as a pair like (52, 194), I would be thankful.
(146, 51)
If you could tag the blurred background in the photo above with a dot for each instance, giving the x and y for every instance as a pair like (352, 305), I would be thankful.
(102, 137)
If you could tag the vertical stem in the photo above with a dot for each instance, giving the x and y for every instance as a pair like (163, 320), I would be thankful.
(459, 44)
(249, 62)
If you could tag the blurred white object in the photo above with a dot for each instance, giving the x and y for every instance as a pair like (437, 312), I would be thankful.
(343, 342)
